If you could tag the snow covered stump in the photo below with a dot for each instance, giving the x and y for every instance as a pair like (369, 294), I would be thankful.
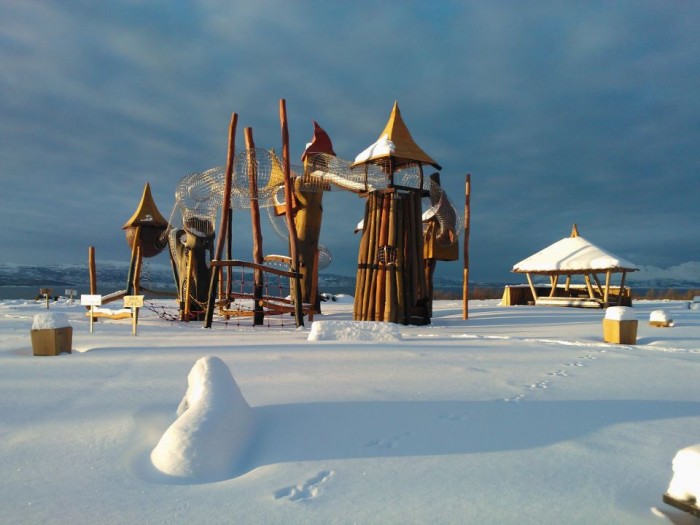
(51, 334)
(684, 489)
(212, 430)
(620, 325)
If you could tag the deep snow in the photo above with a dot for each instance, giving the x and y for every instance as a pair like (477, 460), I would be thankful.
(517, 415)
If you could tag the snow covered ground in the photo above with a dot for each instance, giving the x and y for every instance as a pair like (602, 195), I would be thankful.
(518, 415)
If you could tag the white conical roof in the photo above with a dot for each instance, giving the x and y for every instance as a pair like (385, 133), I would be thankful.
(572, 254)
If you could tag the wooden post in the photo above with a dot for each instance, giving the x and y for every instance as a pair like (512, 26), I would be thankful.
(465, 248)
(225, 222)
(382, 269)
(187, 285)
(400, 307)
(390, 294)
(606, 295)
(132, 263)
(361, 270)
(137, 271)
(258, 314)
(532, 287)
(622, 287)
(92, 271)
(293, 244)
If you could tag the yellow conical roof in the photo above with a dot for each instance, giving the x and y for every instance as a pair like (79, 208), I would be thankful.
(397, 143)
(147, 213)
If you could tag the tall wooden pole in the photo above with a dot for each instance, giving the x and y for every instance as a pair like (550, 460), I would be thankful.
(467, 220)
(293, 245)
(92, 271)
(225, 224)
(258, 314)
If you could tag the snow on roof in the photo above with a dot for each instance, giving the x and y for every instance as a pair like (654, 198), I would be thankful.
(382, 148)
(572, 254)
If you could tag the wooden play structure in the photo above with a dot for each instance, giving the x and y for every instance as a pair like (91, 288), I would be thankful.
(570, 258)
(398, 249)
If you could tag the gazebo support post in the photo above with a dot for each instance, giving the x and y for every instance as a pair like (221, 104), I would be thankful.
(597, 282)
(606, 296)
(589, 286)
(532, 287)
(622, 288)
(554, 280)
(568, 282)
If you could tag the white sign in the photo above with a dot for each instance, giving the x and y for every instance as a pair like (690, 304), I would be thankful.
(70, 292)
(133, 301)
(91, 300)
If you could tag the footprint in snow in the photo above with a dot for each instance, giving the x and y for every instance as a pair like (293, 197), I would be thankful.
(574, 363)
(560, 373)
(310, 489)
(541, 384)
(456, 417)
(389, 442)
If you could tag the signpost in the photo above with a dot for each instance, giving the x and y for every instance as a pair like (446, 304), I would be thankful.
(46, 292)
(91, 301)
(134, 302)
(70, 293)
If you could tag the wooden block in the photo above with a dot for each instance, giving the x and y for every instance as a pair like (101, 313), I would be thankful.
(620, 332)
(52, 341)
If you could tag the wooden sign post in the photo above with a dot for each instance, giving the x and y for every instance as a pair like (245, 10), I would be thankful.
(46, 292)
(134, 302)
(70, 293)
(91, 301)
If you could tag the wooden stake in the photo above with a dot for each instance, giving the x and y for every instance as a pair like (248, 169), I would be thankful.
(225, 223)
(92, 271)
(258, 313)
(293, 244)
(532, 287)
(465, 248)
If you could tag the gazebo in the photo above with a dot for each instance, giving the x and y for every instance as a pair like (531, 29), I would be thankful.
(568, 258)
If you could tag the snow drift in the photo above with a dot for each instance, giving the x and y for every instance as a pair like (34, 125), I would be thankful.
(212, 430)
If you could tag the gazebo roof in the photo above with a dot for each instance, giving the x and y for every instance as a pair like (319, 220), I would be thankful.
(573, 255)
(395, 142)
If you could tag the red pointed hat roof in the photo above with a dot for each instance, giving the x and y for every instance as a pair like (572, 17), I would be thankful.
(320, 143)
(397, 143)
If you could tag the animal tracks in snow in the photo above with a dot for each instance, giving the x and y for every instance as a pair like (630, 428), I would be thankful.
(310, 489)
(560, 372)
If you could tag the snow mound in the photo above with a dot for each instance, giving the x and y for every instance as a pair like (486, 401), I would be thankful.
(354, 331)
(212, 430)
(48, 320)
(620, 313)
(685, 484)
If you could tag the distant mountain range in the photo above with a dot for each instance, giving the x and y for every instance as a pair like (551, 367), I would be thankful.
(112, 276)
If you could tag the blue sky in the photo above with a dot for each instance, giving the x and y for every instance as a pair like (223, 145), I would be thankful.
(563, 112)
